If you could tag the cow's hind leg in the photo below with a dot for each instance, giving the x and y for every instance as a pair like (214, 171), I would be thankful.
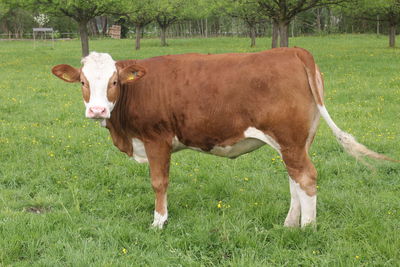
(302, 179)
(293, 216)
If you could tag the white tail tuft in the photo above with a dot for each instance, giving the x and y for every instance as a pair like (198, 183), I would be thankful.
(348, 142)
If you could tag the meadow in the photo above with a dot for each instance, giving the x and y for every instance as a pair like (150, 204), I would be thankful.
(68, 197)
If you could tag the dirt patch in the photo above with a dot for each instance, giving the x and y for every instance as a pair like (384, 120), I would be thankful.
(37, 210)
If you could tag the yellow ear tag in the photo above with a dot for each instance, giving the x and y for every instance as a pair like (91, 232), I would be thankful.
(131, 77)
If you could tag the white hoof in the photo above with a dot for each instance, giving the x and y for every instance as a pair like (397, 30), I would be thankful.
(159, 220)
(291, 223)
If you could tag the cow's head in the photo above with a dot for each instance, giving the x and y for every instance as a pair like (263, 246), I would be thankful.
(101, 80)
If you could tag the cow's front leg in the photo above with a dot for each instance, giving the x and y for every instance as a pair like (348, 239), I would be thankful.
(159, 154)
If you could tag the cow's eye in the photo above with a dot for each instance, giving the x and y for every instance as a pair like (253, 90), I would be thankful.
(83, 83)
(115, 83)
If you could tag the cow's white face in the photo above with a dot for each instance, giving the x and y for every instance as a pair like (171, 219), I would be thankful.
(101, 80)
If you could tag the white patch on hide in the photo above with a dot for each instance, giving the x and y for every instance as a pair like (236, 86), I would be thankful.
(252, 132)
(159, 220)
(308, 206)
(139, 152)
(177, 145)
(293, 216)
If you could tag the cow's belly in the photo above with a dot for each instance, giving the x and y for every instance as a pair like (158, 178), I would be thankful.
(252, 140)
(242, 147)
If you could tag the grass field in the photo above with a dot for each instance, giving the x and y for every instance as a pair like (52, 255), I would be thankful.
(68, 197)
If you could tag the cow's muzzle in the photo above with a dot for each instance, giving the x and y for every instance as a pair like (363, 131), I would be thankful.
(97, 112)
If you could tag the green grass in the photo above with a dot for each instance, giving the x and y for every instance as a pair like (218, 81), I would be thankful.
(68, 197)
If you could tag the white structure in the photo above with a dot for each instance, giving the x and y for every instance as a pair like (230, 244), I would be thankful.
(44, 32)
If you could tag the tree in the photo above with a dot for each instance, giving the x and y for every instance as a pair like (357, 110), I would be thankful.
(282, 12)
(167, 12)
(82, 11)
(387, 11)
(140, 13)
(248, 11)
(14, 18)
(4, 8)
(201, 11)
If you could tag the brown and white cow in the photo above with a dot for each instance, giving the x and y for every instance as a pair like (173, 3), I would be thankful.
(226, 105)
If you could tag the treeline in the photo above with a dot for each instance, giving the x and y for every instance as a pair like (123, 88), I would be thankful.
(279, 19)
(18, 23)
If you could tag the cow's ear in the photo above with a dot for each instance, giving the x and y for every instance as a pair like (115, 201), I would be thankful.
(67, 73)
(131, 74)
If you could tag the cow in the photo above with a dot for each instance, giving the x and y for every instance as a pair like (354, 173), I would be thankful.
(222, 104)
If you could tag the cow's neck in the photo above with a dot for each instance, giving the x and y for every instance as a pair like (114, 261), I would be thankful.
(116, 124)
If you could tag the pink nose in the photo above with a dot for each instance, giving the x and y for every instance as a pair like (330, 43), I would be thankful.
(97, 112)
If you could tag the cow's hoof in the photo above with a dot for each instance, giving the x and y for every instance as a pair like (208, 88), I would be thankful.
(291, 224)
(310, 225)
(159, 220)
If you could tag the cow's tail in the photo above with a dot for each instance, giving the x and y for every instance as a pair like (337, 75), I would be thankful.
(349, 143)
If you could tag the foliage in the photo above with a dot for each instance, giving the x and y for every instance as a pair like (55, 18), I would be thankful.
(79, 10)
(199, 9)
(383, 10)
(139, 12)
(387, 10)
(179, 18)
(3, 8)
(247, 10)
(41, 19)
(70, 198)
(17, 20)
(82, 11)
(288, 9)
(168, 11)
(375, 7)
(283, 12)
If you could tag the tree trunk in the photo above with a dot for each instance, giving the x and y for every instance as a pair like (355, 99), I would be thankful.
(163, 35)
(104, 22)
(138, 35)
(84, 38)
(392, 35)
(377, 25)
(93, 26)
(293, 24)
(319, 28)
(201, 27)
(275, 34)
(252, 35)
(206, 28)
(329, 26)
(284, 34)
